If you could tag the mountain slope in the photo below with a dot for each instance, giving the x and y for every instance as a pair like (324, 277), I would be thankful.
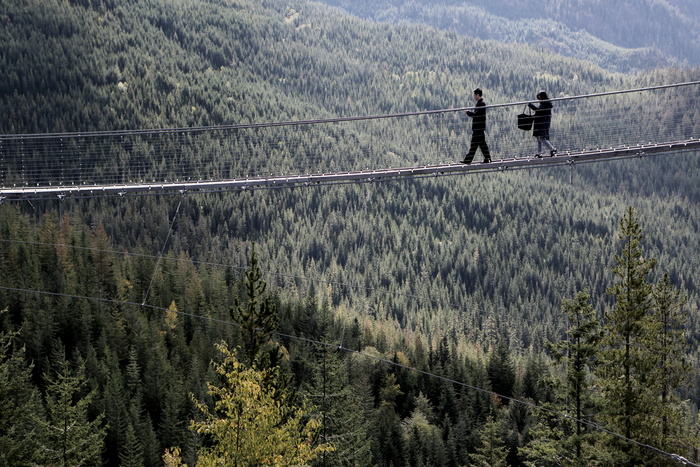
(624, 36)
(148, 65)
(152, 64)
(80, 67)
(432, 272)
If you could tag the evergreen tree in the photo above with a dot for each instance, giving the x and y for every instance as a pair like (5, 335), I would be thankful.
(493, 451)
(116, 415)
(501, 371)
(626, 363)
(388, 442)
(20, 406)
(673, 370)
(337, 405)
(68, 436)
(536, 380)
(578, 353)
(172, 430)
(547, 442)
(131, 452)
(337, 401)
(258, 318)
(148, 439)
(424, 444)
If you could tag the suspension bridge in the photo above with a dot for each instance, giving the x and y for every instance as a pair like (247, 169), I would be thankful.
(652, 121)
(636, 123)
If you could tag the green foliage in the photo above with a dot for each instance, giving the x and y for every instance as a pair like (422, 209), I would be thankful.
(624, 37)
(69, 436)
(144, 364)
(20, 406)
(493, 450)
(339, 404)
(501, 371)
(387, 437)
(624, 360)
(251, 425)
(258, 318)
(672, 369)
(635, 375)
(578, 354)
(424, 441)
(547, 445)
(429, 273)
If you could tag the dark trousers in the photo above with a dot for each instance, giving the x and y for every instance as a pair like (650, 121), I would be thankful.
(478, 141)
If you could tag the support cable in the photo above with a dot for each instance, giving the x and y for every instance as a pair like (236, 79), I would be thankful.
(162, 252)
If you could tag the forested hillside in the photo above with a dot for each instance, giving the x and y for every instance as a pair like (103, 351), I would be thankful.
(467, 279)
(625, 36)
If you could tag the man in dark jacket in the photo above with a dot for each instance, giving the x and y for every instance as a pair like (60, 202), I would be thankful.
(478, 117)
(541, 123)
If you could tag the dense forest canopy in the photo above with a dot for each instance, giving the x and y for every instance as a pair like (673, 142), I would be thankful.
(465, 278)
(631, 35)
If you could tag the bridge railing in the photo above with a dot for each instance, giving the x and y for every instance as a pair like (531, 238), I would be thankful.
(609, 120)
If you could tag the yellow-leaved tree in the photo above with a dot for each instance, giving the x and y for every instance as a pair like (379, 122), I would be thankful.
(252, 424)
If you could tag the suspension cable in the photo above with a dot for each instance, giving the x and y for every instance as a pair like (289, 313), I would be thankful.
(321, 121)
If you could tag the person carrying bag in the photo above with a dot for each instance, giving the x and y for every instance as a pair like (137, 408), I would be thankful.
(541, 122)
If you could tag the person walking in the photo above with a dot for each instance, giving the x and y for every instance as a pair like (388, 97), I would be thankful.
(478, 117)
(541, 123)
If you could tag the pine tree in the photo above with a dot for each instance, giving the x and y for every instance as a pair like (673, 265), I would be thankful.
(20, 406)
(113, 401)
(325, 379)
(69, 437)
(258, 318)
(493, 451)
(389, 446)
(501, 371)
(547, 442)
(337, 405)
(673, 369)
(626, 363)
(578, 353)
(424, 444)
(149, 442)
(131, 451)
(172, 430)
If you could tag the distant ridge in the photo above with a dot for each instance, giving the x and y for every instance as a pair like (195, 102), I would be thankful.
(626, 37)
